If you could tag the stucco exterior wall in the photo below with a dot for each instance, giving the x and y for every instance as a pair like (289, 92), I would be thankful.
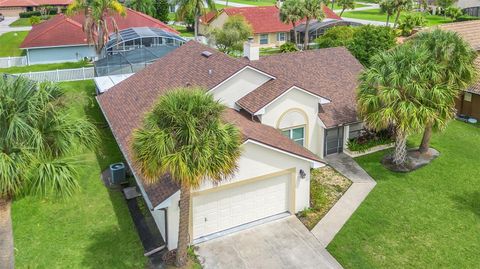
(255, 161)
(467, 3)
(238, 86)
(296, 100)
(272, 40)
(12, 11)
(469, 106)
(60, 54)
(218, 22)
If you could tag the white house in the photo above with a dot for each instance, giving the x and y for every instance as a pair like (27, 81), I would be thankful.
(292, 110)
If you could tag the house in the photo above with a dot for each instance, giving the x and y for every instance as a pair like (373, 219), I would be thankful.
(61, 38)
(12, 8)
(468, 103)
(292, 109)
(268, 29)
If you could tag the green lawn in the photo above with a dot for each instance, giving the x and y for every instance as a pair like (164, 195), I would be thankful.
(376, 15)
(183, 30)
(93, 229)
(273, 2)
(10, 43)
(21, 22)
(429, 218)
(44, 67)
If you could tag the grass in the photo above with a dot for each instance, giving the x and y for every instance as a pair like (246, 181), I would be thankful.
(428, 218)
(183, 30)
(44, 67)
(254, 2)
(92, 229)
(376, 15)
(326, 187)
(22, 22)
(269, 51)
(11, 42)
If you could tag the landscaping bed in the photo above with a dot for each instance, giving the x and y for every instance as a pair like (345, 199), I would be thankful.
(326, 187)
(428, 218)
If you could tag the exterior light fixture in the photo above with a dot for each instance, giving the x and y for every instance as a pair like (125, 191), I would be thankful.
(302, 173)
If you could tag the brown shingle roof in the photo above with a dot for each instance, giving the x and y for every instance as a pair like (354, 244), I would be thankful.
(475, 88)
(469, 30)
(331, 73)
(125, 104)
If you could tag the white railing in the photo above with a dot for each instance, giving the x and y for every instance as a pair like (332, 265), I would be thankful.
(61, 74)
(6, 62)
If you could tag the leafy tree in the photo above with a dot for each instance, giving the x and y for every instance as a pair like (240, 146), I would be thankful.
(312, 10)
(292, 12)
(389, 94)
(346, 4)
(97, 13)
(144, 6)
(453, 13)
(411, 21)
(34, 20)
(195, 8)
(232, 34)
(369, 40)
(162, 10)
(454, 57)
(288, 47)
(185, 136)
(388, 7)
(38, 137)
(444, 4)
(338, 36)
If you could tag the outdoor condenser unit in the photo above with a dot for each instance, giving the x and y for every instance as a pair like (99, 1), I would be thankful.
(117, 173)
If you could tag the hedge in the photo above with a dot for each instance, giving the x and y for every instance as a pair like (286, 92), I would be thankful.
(28, 14)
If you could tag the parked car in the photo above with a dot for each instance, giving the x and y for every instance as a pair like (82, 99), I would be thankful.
(1, 17)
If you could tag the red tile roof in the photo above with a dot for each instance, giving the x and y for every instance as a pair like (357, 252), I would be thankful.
(34, 3)
(63, 30)
(125, 104)
(264, 19)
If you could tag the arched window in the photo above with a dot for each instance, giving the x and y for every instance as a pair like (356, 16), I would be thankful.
(294, 124)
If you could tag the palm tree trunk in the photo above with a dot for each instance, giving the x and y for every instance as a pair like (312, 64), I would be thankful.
(388, 19)
(427, 135)
(195, 26)
(396, 19)
(183, 230)
(400, 154)
(343, 9)
(6, 235)
(305, 38)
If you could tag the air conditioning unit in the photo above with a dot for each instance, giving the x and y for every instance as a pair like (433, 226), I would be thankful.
(117, 173)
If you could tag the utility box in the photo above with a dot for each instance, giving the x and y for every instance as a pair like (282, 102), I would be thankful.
(117, 173)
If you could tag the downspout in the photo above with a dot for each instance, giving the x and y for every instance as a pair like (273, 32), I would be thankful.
(165, 213)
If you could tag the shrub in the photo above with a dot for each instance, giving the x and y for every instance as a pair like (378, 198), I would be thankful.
(369, 40)
(409, 22)
(288, 47)
(369, 140)
(34, 20)
(29, 14)
(338, 36)
(453, 13)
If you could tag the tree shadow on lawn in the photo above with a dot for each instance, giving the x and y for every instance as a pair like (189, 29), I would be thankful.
(468, 202)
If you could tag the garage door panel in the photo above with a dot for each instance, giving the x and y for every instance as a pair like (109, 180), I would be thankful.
(230, 207)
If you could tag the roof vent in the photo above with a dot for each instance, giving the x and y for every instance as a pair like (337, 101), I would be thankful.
(206, 54)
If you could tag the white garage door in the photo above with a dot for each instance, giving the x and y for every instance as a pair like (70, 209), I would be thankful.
(220, 210)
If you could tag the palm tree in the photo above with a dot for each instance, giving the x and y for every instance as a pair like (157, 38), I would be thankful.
(387, 6)
(399, 6)
(184, 136)
(292, 12)
(312, 10)
(144, 6)
(455, 58)
(346, 4)
(389, 94)
(195, 7)
(97, 13)
(38, 136)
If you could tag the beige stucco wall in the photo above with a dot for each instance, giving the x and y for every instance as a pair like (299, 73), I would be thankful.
(255, 161)
(272, 40)
(12, 11)
(238, 86)
(296, 100)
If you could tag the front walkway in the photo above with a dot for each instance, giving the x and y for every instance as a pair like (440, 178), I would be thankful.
(362, 184)
(284, 243)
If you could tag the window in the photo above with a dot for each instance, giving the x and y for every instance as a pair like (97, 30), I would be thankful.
(296, 134)
(467, 97)
(280, 36)
(264, 39)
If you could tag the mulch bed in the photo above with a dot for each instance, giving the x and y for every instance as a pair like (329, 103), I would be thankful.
(415, 160)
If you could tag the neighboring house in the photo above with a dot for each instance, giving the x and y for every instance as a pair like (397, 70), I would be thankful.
(61, 38)
(318, 28)
(469, 102)
(292, 109)
(12, 8)
(268, 30)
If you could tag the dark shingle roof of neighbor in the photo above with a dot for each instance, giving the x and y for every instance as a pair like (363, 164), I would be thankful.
(125, 104)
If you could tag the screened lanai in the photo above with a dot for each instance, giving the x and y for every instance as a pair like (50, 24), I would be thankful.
(134, 48)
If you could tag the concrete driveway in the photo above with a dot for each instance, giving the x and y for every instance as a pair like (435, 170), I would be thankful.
(4, 28)
(284, 243)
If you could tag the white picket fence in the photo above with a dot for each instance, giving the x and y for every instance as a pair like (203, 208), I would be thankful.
(6, 62)
(60, 75)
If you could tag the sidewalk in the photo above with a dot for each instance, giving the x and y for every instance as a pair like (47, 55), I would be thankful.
(362, 184)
